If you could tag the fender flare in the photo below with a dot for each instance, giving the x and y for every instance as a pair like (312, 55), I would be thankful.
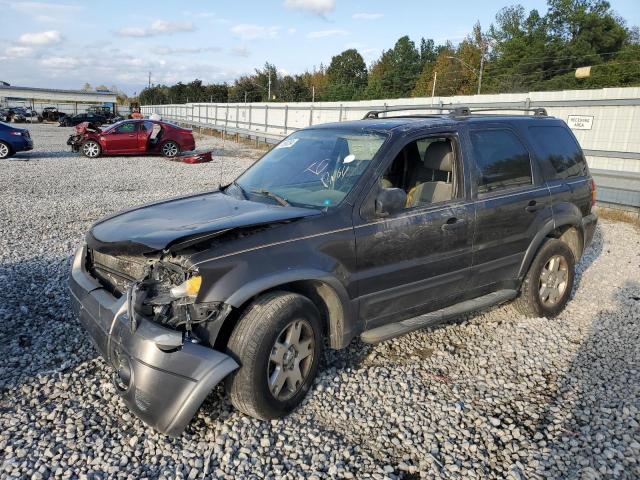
(342, 325)
(564, 219)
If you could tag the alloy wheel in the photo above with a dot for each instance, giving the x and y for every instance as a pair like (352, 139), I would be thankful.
(91, 149)
(170, 149)
(553, 280)
(291, 359)
(4, 150)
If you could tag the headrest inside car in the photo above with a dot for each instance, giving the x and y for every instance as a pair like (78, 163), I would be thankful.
(439, 156)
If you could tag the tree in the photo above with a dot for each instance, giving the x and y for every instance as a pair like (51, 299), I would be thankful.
(87, 87)
(294, 89)
(347, 76)
(395, 74)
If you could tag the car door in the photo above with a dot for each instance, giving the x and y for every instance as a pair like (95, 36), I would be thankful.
(143, 133)
(417, 259)
(513, 202)
(122, 139)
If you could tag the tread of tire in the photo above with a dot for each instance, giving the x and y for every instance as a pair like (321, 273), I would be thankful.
(245, 339)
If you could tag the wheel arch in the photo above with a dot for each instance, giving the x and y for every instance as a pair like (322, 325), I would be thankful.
(566, 228)
(326, 292)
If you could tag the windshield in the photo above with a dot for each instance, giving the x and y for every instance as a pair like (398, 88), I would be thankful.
(312, 168)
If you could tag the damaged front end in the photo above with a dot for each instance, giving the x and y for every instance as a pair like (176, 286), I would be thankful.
(81, 133)
(142, 314)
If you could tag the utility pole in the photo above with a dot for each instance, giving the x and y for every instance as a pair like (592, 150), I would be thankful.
(313, 93)
(245, 97)
(433, 88)
(269, 94)
(149, 79)
(481, 68)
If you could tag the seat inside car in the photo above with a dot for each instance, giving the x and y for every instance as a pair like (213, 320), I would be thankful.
(432, 181)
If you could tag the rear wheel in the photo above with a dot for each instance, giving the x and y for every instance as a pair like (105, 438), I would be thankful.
(5, 150)
(546, 288)
(278, 342)
(91, 149)
(170, 149)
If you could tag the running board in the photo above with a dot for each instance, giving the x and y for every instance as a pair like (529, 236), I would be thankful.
(430, 319)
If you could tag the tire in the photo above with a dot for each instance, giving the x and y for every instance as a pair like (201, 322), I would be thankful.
(547, 286)
(91, 149)
(265, 385)
(170, 149)
(5, 150)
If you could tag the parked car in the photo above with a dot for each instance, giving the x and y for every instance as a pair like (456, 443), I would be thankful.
(52, 114)
(73, 120)
(14, 140)
(370, 228)
(133, 137)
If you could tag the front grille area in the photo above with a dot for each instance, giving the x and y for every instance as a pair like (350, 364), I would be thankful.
(116, 274)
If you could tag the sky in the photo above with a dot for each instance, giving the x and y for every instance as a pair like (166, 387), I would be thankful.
(65, 44)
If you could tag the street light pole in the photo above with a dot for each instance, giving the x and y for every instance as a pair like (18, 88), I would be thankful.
(477, 73)
(481, 68)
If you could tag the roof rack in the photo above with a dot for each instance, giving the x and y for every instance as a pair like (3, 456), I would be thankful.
(455, 110)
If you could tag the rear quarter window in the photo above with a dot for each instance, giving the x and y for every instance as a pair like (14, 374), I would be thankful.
(502, 160)
(556, 146)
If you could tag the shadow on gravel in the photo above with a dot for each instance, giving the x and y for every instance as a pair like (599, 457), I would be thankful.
(591, 427)
(589, 256)
(39, 334)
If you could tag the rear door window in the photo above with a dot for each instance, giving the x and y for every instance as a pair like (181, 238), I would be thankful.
(502, 160)
(555, 145)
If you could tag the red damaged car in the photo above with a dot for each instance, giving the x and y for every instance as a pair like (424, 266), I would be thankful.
(132, 137)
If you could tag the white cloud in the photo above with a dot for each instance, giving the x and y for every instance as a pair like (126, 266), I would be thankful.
(158, 27)
(184, 50)
(50, 37)
(59, 63)
(240, 51)
(367, 16)
(18, 52)
(327, 33)
(43, 11)
(319, 7)
(251, 32)
(291, 31)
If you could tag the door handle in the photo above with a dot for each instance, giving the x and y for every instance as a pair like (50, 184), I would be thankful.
(452, 223)
(131, 135)
(534, 206)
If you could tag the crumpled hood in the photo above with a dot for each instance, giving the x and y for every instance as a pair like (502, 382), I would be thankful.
(154, 227)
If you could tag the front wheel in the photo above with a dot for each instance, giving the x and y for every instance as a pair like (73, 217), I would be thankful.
(170, 149)
(278, 343)
(5, 150)
(547, 286)
(91, 149)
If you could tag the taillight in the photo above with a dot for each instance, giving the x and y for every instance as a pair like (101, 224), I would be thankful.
(593, 192)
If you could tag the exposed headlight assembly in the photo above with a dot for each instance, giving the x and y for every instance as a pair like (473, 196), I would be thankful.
(188, 288)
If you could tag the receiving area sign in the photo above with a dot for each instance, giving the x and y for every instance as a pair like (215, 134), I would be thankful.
(580, 122)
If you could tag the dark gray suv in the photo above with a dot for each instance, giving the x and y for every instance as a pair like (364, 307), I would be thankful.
(370, 228)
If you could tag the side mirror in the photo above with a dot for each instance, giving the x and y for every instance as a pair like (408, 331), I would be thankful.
(390, 200)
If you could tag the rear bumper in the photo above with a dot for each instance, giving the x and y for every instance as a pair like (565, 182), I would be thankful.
(589, 223)
(162, 379)
(22, 145)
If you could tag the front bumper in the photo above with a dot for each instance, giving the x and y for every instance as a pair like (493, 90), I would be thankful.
(166, 384)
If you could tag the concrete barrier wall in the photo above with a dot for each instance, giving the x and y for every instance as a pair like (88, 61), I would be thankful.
(610, 137)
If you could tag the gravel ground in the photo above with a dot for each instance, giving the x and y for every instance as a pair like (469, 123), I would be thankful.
(494, 395)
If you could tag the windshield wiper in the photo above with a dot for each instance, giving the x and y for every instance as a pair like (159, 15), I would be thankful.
(242, 192)
(275, 196)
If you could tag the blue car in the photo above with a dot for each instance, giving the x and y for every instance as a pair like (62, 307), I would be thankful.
(13, 140)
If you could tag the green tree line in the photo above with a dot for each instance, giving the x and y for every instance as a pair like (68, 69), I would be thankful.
(521, 51)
